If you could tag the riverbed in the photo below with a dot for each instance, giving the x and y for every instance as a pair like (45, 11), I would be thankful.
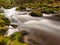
(44, 30)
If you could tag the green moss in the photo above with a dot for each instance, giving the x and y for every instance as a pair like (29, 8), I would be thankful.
(7, 7)
(36, 14)
(48, 10)
(4, 21)
(15, 42)
(2, 30)
(3, 40)
(43, 5)
(57, 8)
(6, 41)
(33, 6)
(20, 8)
(19, 36)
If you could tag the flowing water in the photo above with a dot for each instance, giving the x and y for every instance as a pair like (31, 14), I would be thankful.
(40, 28)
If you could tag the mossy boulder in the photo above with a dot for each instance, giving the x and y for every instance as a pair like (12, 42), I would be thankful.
(48, 10)
(36, 14)
(20, 8)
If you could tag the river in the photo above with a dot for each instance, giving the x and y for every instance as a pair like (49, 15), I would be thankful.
(42, 29)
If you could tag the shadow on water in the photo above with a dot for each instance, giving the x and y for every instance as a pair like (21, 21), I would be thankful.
(53, 18)
(44, 38)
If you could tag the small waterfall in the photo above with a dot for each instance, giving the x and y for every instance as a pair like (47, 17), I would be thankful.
(9, 12)
(11, 30)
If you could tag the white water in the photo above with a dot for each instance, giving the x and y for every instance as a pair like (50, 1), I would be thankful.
(45, 25)
(11, 30)
(26, 21)
(9, 12)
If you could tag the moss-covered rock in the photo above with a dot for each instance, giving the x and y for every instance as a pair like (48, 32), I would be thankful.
(36, 14)
(20, 8)
(48, 10)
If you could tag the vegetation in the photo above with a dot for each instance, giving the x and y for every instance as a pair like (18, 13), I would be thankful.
(49, 2)
(4, 21)
(19, 36)
(45, 6)
(15, 39)
(5, 3)
(6, 41)
(2, 30)
(47, 9)
(30, 3)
